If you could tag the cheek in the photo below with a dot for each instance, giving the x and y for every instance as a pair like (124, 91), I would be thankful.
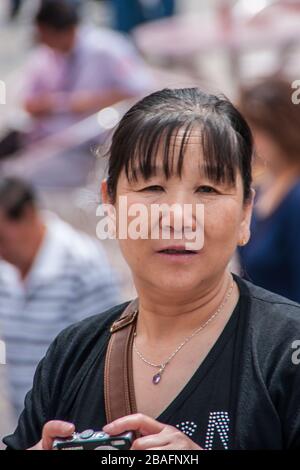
(133, 251)
(137, 256)
(133, 215)
(222, 223)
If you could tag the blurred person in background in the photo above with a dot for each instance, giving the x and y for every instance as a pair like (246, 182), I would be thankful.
(75, 72)
(50, 276)
(271, 258)
(6, 421)
(15, 6)
(131, 13)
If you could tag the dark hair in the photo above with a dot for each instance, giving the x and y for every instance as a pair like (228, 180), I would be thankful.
(268, 106)
(57, 14)
(15, 197)
(226, 138)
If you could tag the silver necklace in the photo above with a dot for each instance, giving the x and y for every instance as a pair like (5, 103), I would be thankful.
(157, 377)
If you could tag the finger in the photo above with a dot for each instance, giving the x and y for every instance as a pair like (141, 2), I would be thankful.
(137, 422)
(145, 443)
(54, 429)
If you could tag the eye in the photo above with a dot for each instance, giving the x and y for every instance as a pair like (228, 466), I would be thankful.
(154, 188)
(207, 190)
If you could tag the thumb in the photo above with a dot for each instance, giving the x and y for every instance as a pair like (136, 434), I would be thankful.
(54, 429)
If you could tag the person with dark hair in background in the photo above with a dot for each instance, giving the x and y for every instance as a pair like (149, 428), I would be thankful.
(271, 259)
(50, 276)
(15, 6)
(203, 369)
(76, 71)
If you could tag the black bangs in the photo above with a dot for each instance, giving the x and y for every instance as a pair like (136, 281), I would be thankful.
(142, 160)
(216, 143)
(165, 122)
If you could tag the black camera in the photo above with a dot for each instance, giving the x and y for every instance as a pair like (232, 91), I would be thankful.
(94, 440)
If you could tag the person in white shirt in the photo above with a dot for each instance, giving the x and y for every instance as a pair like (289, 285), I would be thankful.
(50, 276)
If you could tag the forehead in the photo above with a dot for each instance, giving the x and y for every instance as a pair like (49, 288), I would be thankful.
(194, 163)
(183, 156)
(187, 150)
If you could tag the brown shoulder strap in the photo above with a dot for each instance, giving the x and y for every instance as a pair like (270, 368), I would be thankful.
(118, 373)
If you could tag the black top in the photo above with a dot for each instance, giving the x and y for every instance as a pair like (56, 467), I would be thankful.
(244, 395)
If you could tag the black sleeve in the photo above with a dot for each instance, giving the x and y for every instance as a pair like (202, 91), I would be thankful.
(65, 363)
(291, 401)
(284, 385)
(37, 405)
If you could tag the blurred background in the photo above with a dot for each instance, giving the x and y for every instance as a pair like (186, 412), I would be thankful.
(68, 75)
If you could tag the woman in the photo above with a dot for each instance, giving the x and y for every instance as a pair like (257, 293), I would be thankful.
(272, 257)
(207, 372)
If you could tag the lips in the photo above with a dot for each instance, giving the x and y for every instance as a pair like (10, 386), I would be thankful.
(177, 251)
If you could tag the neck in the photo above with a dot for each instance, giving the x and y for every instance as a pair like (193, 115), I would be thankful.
(35, 241)
(163, 317)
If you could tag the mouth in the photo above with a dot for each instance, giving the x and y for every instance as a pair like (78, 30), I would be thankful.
(177, 251)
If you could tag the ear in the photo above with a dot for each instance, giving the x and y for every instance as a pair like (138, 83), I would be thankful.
(104, 192)
(244, 232)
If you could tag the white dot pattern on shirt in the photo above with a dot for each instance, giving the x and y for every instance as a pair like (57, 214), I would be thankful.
(187, 427)
(217, 420)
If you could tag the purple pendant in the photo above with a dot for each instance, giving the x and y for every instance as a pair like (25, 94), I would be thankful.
(156, 378)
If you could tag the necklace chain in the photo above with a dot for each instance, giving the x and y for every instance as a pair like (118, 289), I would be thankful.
(163, 365)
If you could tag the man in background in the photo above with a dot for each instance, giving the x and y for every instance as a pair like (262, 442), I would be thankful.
(77, 70)
(74, 72)
(50, 276)
(6, 420)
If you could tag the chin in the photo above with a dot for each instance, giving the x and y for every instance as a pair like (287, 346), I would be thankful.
(176, 284)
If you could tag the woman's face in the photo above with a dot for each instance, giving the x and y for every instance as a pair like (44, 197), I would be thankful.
(226, 223)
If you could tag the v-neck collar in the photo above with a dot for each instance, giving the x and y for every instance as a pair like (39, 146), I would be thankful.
(208, 361)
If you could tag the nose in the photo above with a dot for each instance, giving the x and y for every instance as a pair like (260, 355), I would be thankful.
(179, 213)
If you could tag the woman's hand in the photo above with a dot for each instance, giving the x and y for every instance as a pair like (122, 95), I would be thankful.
(51, 431)
(155, 435)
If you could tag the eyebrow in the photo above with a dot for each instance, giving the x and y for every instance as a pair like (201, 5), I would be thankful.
(160, 171)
